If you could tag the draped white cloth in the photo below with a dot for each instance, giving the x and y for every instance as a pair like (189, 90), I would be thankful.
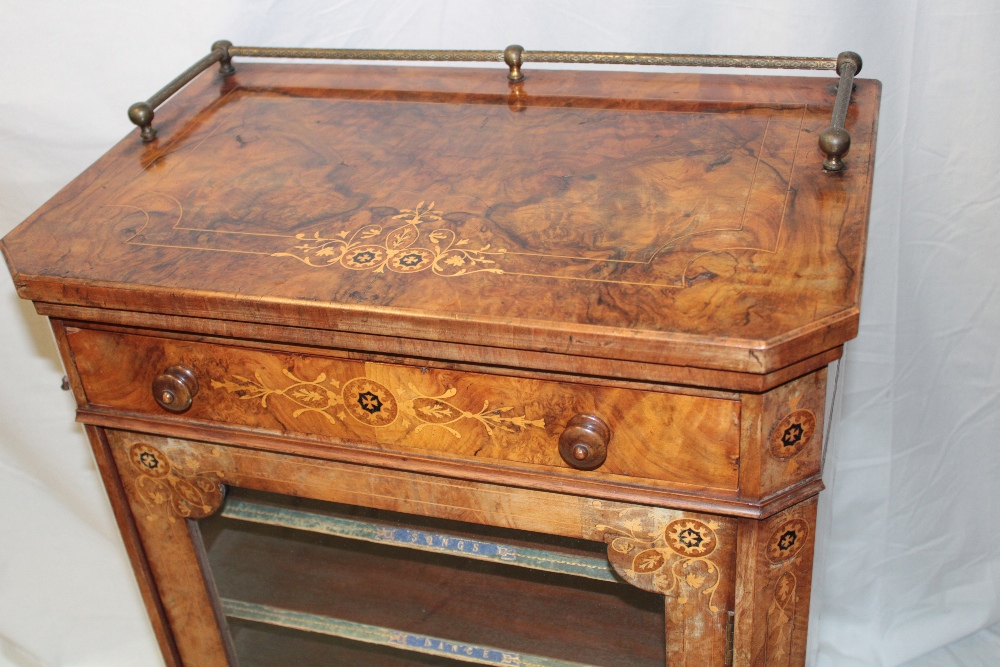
(910, 557)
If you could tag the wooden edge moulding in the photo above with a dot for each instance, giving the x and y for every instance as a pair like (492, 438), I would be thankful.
(835, 140)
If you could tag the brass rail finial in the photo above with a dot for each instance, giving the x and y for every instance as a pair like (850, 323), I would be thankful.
(513, 56)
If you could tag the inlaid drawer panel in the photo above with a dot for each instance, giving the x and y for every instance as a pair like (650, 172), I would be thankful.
(684, 439)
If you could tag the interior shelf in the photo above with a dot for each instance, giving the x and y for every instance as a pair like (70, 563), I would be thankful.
(267, 645)
(368, 634)
(453, 542)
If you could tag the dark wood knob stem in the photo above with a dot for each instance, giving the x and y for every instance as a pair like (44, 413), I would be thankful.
(584, 442)
(175, 388)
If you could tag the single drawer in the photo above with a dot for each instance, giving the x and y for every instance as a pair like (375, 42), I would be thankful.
(651, 436)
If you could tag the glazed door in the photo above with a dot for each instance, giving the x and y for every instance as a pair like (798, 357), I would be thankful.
(268, 559)
(309, 583)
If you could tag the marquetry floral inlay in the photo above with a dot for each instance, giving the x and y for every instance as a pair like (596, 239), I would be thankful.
(373, 404)
(780, 617)
(372, 248)
(436, 411)
(672, 560)
(187, 491)
(784, 592)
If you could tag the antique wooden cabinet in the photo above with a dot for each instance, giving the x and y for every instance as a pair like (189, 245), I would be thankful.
(409, 365)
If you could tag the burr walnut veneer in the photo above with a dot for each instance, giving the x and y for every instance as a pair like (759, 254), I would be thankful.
(416, 365)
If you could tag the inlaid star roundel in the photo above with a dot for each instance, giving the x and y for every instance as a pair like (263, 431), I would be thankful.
(414, 259)
(790, 435)
(787, 540)
(364, 257)
(149, 460)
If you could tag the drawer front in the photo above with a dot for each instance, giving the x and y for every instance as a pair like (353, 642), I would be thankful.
(656, 437)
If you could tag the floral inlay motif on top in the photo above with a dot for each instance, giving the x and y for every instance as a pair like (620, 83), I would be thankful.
(444, 253)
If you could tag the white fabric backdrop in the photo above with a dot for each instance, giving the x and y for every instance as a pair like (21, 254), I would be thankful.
(911, 558)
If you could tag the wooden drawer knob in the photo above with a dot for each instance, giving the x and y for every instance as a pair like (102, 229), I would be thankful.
(175, 388)
(584, 442)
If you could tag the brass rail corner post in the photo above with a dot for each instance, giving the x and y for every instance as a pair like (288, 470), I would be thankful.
(835, 141)
(141, 113)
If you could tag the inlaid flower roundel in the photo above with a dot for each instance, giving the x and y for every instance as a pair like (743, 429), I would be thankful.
(370, 402)
(188, 492)
(149, 460)
(690, 538)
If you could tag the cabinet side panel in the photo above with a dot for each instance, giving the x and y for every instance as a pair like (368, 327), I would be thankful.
(163, 497)
(59, 331)
(792, 432)
(133, 545)
(775, 559)
(782, 436)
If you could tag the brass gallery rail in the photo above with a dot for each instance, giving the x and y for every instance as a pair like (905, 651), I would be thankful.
(834, 140)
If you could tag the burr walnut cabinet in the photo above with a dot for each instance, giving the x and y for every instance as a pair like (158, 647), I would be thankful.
(410, 365)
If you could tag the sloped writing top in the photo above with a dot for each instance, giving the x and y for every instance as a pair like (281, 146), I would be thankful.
(677, 219)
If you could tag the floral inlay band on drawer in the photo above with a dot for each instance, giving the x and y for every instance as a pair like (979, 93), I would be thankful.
(372, 403)
(448, 413)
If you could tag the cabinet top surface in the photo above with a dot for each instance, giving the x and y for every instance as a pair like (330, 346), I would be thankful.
(677, 219)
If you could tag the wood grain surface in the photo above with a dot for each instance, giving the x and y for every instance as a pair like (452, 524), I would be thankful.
(676, 219)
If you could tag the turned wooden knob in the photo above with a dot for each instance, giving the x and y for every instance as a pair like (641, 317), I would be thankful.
(584, 442)
(175, 388)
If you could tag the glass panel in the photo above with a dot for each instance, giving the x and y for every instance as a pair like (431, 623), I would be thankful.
(340, 573)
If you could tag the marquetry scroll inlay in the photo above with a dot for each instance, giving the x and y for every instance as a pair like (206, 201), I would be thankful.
(180, 487)
(671, 558)
(780, 618)
(373, 404)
